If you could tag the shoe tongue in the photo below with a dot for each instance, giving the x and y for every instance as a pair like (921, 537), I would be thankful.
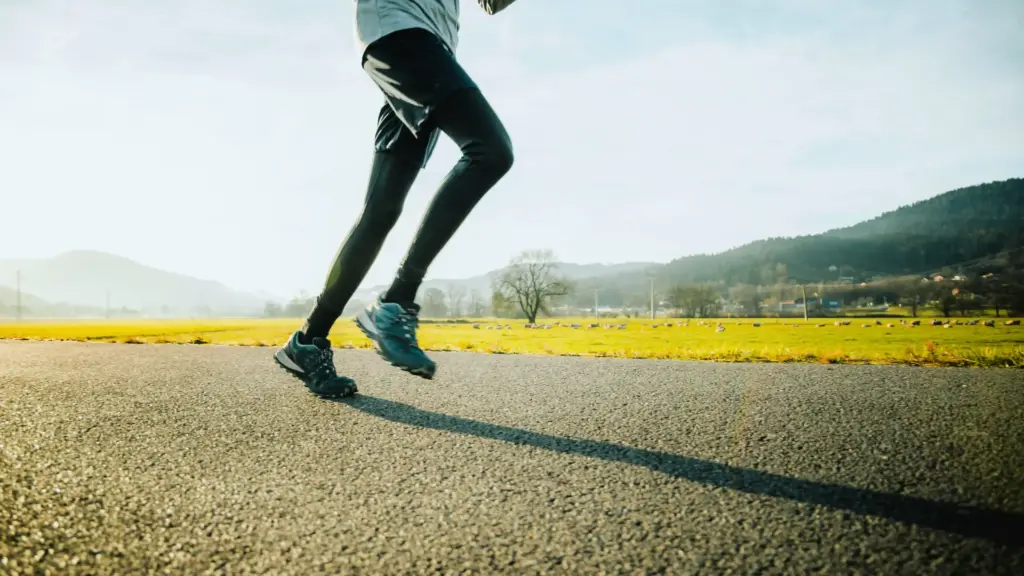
(406, 307)
(321, 343)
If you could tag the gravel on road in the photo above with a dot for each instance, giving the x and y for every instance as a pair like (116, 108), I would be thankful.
(118, 459)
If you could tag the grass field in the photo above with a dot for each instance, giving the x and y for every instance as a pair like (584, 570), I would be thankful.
(773, 341)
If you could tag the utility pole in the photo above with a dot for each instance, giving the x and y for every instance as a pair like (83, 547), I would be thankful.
(803, 292)
(17, 309)
(652, 297)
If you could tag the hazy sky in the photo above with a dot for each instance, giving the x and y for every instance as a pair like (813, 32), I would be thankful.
(230, 139)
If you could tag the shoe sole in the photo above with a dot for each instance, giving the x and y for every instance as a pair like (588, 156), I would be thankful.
(365, 324)
(296, 371)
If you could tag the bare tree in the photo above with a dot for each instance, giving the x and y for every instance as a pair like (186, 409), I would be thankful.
(501, 306)
(915, 292)
(434, 303)
(695, 299)
(748, 296)
(454, 296)
(531, 281)
(477, 308)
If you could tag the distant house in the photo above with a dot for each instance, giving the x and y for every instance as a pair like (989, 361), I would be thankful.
(830, 304)
(790, 306)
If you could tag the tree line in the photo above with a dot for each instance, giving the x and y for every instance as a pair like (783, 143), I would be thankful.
(530, 287)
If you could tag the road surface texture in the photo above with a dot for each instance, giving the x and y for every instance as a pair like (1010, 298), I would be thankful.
(125, 459)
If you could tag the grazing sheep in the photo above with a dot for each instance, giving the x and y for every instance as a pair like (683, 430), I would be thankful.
(821, 325)
(622, 326)
(720, 328)
(972, 323)
(757, 324)
(878, 322)
(476, 326)
(1013, 322)
(890, 325)
(936, 322)
(947, 325)
(837, 323)
(865, 325)
(915, 322)
(990, 323)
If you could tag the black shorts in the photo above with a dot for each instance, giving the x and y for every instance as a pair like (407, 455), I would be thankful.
(416, 72)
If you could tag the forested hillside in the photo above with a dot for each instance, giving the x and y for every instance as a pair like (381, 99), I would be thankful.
(958, 229)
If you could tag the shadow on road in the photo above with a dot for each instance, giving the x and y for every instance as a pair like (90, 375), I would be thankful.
(994, 525)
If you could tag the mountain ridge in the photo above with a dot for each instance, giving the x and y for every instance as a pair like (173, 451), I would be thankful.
(967, 224)
(97, 278)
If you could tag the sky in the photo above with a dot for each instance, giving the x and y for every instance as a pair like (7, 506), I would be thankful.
(231, 139)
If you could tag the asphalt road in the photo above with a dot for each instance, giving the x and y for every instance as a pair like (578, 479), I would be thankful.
(122, 459)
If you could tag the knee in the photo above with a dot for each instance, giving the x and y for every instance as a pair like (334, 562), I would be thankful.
(497, 158)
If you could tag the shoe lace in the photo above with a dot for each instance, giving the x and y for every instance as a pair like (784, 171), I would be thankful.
(322, 365)
(408, 321)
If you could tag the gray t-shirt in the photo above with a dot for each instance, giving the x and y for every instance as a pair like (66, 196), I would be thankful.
(378, 18)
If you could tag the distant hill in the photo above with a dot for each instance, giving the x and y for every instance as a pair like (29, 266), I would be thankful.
(77, 282)
(84, 278)
(955, 229)
(981, 209)
(9, 301)
(968, 228)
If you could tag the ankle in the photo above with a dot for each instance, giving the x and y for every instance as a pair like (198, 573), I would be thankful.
(401, 297)
(318, 324)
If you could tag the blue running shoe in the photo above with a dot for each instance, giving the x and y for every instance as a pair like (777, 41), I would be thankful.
(314, 365)
(392, 327)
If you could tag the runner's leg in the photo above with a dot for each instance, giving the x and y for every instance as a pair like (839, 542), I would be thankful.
(396, 163)
(468, 119)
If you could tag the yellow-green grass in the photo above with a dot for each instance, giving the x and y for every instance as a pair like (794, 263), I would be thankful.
(785, 340)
